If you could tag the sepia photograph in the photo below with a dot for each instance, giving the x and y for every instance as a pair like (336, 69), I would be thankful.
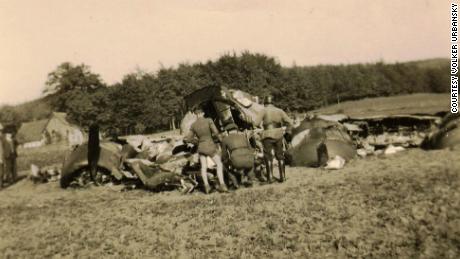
(229, 129)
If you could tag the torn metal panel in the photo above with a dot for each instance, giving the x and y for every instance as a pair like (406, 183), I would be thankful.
(126, 164)
(154, 177)
(446, 135)
(381, 131)
(109, 160)
(333, 117)
(225, 106)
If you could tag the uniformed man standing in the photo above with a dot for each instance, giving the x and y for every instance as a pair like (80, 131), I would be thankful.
(10, 153)
(2, 157)
(272, 137)
(203, 130)
(237, 154)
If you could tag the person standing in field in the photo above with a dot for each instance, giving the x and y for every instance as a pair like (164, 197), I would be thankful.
(202, 131)
(10, 157)
(2, 157)
(273, 137)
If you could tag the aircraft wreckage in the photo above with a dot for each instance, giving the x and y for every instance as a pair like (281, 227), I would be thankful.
(318, 140)
(445, 135)
(167, 163)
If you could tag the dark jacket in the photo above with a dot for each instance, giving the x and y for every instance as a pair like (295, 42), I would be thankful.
(272, 121)
(202, 132)
(237, 151)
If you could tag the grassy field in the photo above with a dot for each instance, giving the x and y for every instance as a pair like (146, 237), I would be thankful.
(403, 104)
(405, 205)
(42, 156)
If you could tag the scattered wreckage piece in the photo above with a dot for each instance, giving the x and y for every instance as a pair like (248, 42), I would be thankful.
(76, 163)
(126, 164)
(224, 106)
(446, 135)
(157, 177)
(373, 133)
(154, 149)
(335, 163)
(393, 150)
(398, 130)
(316, 141)
(345, 137)
(44, 174)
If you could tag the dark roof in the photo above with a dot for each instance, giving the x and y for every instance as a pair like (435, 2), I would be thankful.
(31, 131)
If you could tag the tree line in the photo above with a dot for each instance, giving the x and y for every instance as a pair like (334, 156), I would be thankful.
(145, 102)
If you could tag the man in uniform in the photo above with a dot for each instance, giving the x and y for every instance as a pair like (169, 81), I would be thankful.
(237, 154)
(203, 131)
(10, 154)
(272, 137)
(2, 157)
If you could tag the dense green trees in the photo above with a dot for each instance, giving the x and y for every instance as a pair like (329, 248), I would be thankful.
(9, 116)
(67, 77)
(70, 88)
(147, 102)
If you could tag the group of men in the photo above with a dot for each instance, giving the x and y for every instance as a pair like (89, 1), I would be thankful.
(238, 154)
(8, 154)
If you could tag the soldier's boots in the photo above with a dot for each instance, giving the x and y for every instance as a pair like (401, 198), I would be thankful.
(269, 168)
(262, 179)
(246, 181)
(282, 170)
(222, 188)
(207, 189)
(233, 180)
(251, 177)
(260, 173)
(1, 175)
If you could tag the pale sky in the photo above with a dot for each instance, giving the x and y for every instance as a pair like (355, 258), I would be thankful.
(114, 37)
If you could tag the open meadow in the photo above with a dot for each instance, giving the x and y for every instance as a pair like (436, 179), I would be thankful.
(421, 103)
(404, 205)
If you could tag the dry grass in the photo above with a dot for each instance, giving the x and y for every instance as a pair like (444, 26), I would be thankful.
(405, 205)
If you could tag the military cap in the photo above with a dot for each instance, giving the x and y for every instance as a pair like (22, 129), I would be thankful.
(268, 99)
